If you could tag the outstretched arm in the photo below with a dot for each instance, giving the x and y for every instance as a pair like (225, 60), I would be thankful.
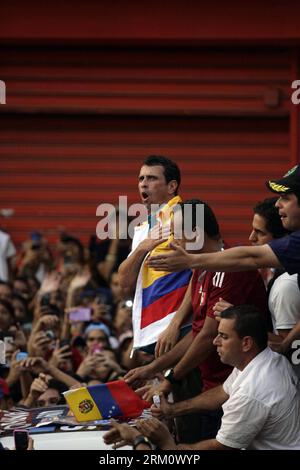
(210, 400)
(161, 363)
(201, 347)
(234, 259)
(207, 401)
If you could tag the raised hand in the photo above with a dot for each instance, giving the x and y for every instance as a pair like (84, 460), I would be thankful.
(164, 410)
(34, 364)
(167, 340)
(39, 385)
(157, 235)
(105, 359)
(60, 354)
(139, 373)
(20, 338)
(37, 388)
(15, 370)
(38, 344)
(80, 279)
(51, 283)
(87, 366)
(219, 307)
(147, 392)
(46, 322)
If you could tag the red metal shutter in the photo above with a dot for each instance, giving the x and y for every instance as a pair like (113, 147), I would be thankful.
(78, 124)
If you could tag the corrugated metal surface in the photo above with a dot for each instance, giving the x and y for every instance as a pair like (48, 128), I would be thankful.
(79, 123)
(151, 81)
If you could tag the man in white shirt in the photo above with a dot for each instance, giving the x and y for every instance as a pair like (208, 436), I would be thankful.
(156, 298)
(260, 399)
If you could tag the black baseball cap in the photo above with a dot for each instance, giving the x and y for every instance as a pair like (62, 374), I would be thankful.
(289, 183)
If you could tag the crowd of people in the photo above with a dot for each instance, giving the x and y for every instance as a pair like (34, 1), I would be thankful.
(204, 334)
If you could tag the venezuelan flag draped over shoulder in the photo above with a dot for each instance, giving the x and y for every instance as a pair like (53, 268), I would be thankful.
(111, 400)
(158, 294)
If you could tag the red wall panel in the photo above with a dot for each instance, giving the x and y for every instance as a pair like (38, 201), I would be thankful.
(140, 21)
(147, 81)
(223, 163)
(79, 122)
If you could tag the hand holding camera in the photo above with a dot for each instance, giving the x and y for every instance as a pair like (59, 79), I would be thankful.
(46, 323)
(60, 353)
(38, 344)
(97, 348)
(38, 387)
(87, 366)
(34, 364)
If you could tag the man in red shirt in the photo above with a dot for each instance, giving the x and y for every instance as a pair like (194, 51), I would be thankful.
(196, 348)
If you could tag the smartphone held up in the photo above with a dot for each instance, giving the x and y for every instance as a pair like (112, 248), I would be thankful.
(21, 438)
(80, 314)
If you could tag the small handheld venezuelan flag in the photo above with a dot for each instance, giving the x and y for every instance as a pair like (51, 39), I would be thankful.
(111, 400)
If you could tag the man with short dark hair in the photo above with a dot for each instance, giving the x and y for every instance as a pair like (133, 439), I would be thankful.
(266, 223)
(266, 226)
(260, 400)
(159, 180)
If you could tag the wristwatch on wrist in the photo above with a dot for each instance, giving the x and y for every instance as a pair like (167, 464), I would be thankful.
(169, 375)
(140, 439)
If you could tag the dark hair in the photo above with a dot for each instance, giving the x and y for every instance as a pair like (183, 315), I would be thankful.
(248, 322)
(35, 280)
(211, 226)
(5, 283)
(51, 309)
(171, 170)
(21, 279)
(297, 194)
(9, 307)
(270, 213)
(60, 387)
(66, 238)
(21, 299)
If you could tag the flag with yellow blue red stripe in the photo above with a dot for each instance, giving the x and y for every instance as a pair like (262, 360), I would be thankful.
(111, 400)
(158, 294)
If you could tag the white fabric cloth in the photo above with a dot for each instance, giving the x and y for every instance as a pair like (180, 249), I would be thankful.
(140, 233)
(284, 302)
(284, 305)
(263, 408)
(149, 334)
(7, 250)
